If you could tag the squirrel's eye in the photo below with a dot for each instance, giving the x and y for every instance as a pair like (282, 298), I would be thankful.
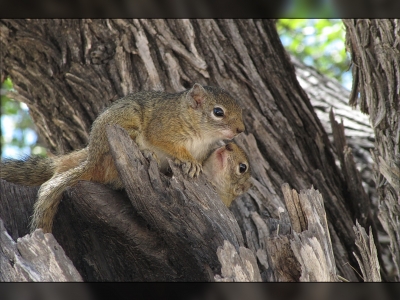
(218, 112)
(242, 168)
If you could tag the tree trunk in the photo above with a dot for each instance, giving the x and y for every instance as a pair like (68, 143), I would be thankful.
(68, 71)
(375, 49)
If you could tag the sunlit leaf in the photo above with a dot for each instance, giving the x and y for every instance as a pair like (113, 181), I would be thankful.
(22, 139)
(319, 42)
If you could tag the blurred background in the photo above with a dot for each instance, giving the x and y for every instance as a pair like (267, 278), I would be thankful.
(316, 42)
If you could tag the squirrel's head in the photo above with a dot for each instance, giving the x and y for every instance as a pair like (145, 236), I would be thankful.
(219, 113)
(228, 169)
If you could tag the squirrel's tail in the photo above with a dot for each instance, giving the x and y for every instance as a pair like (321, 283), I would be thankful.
(31, 171)
(50, 195)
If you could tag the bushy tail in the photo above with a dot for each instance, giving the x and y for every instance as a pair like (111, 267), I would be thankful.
(50, 195)
(31, 171)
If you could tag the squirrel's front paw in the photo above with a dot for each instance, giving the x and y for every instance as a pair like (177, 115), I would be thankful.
(192, 168)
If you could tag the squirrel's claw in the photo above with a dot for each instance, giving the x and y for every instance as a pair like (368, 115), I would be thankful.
(199, 169)
(195, 170)
(192, 169)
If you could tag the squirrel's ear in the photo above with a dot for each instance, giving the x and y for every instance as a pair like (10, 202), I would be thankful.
(197, 95)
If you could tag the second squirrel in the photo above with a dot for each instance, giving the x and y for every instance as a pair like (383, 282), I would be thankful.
(228, 169)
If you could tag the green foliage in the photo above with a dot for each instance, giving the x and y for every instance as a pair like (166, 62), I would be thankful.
(18, 136)
(319, 43)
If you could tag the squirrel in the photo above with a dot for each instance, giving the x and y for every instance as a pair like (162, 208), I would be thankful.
(181, 126)
(228, 169)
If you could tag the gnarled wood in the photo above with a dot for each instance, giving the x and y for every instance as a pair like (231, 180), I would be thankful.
(374, 46)
(312, 245)
(368, 261)
(237, 267)
(34, 257)
(16, 207)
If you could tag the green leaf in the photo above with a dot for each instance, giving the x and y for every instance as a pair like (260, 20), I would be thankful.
(21, 124)
(319, 41)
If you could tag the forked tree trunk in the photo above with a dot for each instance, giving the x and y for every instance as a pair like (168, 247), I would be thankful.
(68, 71)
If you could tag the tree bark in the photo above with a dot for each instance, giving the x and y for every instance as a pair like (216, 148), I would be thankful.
(369, 259)
(68, 71)
(326, 94)
(374, 46)
(19, 261)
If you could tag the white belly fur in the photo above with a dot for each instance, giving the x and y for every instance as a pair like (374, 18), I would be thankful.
(199, 147)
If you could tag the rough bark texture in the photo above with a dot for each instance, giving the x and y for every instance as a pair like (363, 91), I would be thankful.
(311, 242)
(19, 261)
(67, 71)
(355, 131)
(326, 94)
(16, 207)
(237, 267)
(304, 253)
(374, 46)
(369, 258)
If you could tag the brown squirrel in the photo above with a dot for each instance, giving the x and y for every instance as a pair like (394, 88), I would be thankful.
(228, 169)
(182, 126)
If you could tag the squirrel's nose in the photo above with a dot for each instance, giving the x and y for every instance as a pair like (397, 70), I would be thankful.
(240, 129)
